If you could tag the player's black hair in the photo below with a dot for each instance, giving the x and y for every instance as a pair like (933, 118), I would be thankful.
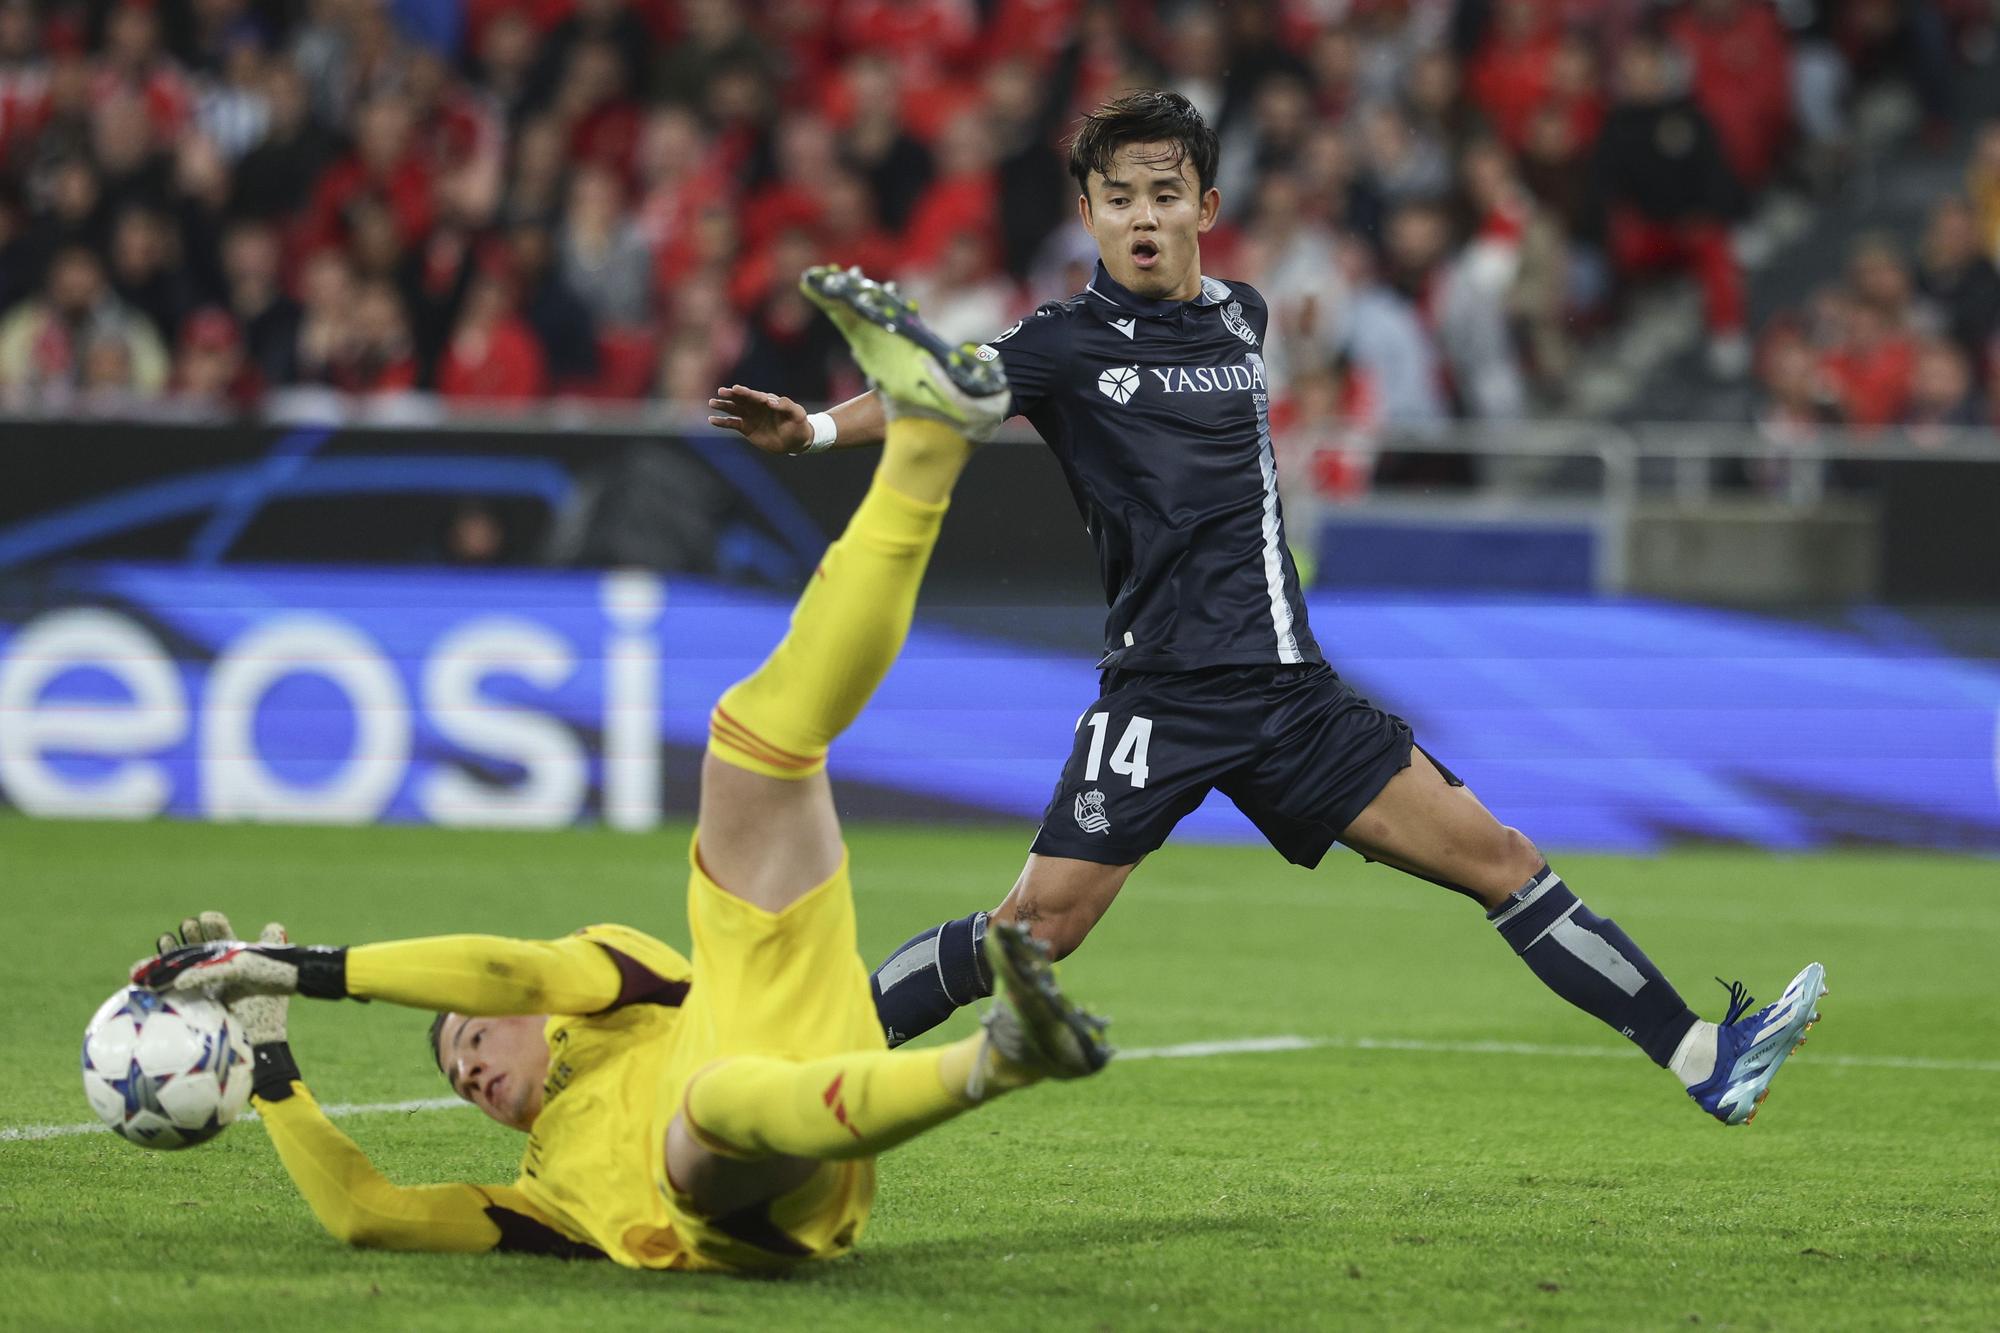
(1149, 116)
(437, 1039)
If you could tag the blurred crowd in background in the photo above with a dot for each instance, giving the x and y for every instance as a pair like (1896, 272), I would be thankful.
(217, 201)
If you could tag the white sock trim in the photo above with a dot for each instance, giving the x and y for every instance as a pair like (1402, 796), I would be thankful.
(1694, 1058)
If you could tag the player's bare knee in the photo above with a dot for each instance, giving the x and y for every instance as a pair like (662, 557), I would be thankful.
(1523, 858)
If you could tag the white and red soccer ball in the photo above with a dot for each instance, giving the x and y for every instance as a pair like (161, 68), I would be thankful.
(165, 1071)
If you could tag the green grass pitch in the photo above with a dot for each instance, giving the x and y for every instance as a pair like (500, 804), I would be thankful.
(1396, 1175)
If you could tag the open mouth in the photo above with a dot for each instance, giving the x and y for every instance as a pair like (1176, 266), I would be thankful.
(1145, 253)
(493, 1092)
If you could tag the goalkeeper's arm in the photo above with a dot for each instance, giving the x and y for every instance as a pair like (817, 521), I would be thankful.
(347, 1194)
(466, 974)
(350, 1197)
(359, 1205)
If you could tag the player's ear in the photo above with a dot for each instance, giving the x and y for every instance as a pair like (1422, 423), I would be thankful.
(1083, 212)
(1211, 206)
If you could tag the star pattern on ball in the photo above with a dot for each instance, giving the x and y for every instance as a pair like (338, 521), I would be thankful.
(140, 1090)
(139, 1003)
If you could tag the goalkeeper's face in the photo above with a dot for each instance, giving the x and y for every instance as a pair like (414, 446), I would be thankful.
(497, 1064)
(1147, 215)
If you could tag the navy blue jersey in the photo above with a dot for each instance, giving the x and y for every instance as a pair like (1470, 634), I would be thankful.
(1159, 412)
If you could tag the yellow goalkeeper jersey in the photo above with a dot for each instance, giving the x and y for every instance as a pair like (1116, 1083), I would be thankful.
(593, 1157)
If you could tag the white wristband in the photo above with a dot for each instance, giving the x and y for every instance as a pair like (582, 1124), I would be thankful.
(824, 432)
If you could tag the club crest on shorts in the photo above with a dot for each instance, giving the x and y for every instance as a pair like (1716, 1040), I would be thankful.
(1090, 812)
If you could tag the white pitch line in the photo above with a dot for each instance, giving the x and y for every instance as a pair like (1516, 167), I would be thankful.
(337, 1109)
(1192, 1050)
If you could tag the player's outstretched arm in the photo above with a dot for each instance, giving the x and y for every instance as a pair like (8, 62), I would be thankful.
(352, 1200)
(356, 1203)
(467, 974)
(777, 425)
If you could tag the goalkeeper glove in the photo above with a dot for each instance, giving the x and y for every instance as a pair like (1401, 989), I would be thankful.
(261, 1014)
(232, 968)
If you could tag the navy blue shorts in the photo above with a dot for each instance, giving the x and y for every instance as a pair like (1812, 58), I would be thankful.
(1298, 751)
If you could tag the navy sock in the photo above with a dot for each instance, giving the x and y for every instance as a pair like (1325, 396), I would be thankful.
(930, 976)
(1589, 961)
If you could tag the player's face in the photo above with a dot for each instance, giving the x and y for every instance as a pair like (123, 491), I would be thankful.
(1147, 215)
(497, 1064)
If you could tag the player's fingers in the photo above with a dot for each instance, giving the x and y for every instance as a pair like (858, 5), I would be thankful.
(167, 943)
(215, 926)
(273, 933)
(190, 930)
(730, 423)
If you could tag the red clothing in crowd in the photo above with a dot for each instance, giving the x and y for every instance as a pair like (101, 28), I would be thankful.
(1640, 244)
(775, 208)
(168, 96)
(459, 129)
(755, 277)
(949, 208)
(1035, 30)
(872, 251)
(543, 14)
(1743, 82)
(504, 365)
(24, 106)
(386, 377)
(919, 35)
(406, 190)
(929, 41)
(1873, 382)
(1336, 454)
(1509, 81)
(608, 134)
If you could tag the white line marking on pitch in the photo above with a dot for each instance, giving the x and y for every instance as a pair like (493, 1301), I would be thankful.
(1193, 1050)
(336, 1109)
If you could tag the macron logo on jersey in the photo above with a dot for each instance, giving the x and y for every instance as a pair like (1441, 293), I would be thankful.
(1119, 383)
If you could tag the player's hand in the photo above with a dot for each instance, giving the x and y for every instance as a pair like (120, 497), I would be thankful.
(262, 1017)
(772, 422)
(233, 968)
(208, 928)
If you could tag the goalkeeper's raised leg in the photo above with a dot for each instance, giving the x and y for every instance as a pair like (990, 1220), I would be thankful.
(764, 841)
(801, 1075)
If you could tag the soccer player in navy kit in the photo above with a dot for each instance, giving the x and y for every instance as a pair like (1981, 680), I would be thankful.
(1150, 388)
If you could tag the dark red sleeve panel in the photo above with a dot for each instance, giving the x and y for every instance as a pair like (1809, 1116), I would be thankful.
(639, 984)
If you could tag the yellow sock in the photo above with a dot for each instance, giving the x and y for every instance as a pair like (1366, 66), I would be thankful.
(853, 616)
(854, 1105)
(922, 458)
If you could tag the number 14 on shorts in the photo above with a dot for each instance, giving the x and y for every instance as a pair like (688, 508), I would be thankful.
(1128, 757)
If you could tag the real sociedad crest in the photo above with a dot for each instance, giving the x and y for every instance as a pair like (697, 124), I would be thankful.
(1090, 812)
(1232, 319)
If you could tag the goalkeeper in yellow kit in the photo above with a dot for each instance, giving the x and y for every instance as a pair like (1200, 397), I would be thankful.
(725, 1111)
